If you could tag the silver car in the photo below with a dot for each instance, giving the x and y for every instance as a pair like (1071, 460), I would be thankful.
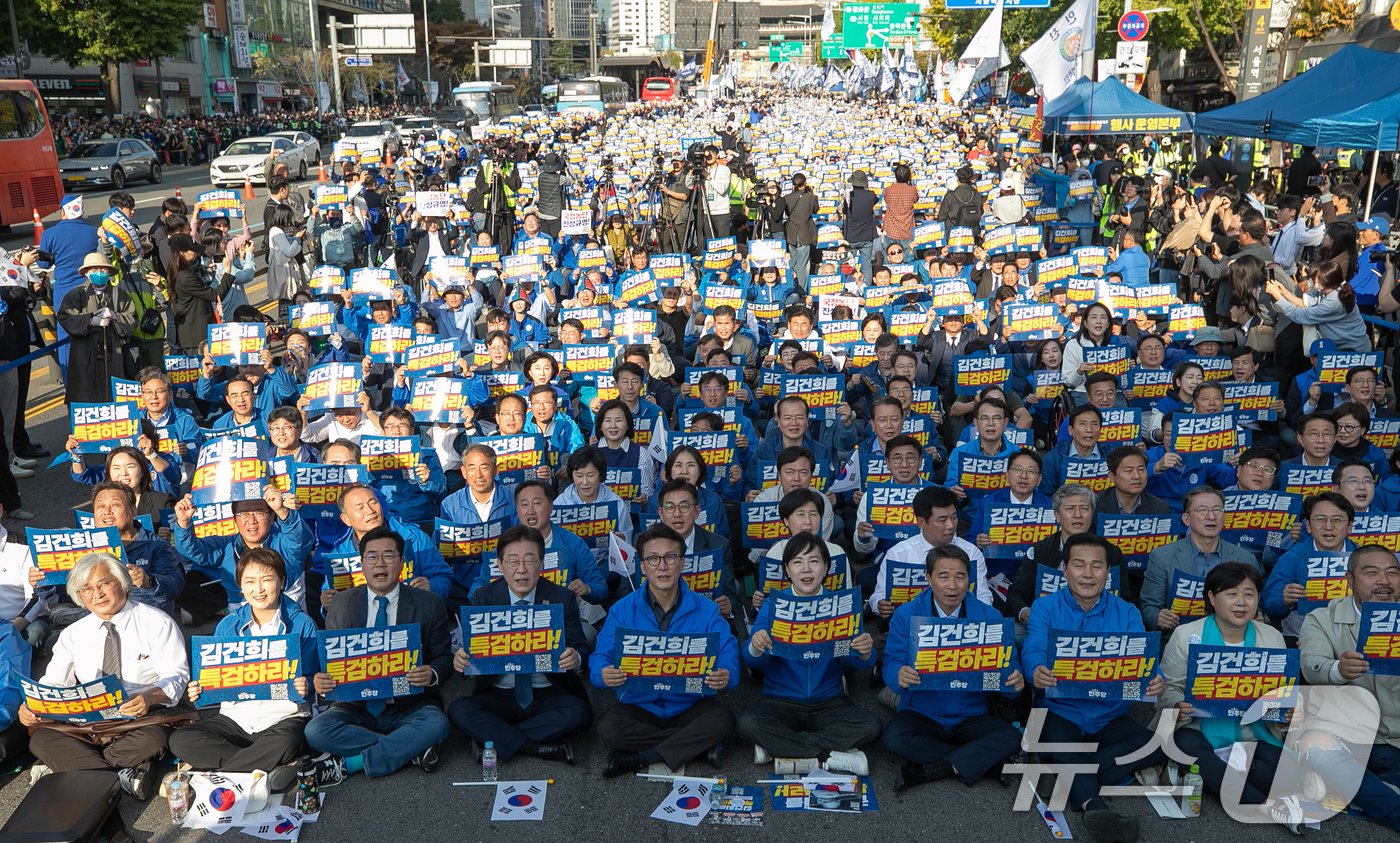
(110, 161)
(310, 150)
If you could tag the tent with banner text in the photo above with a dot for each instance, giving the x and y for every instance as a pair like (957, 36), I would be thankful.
(1351, 100)
(1111, 108)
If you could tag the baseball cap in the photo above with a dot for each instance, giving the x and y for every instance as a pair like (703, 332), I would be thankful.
(1378, 224)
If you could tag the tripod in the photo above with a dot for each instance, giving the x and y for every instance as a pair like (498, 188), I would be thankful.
(698, 228)
(657, 233)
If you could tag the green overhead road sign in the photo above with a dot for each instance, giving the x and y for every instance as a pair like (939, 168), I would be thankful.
(832, 49)
(867, 25)
(777, 37)
(785, 50)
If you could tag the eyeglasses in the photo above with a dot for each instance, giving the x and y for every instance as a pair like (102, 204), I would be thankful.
(903, 459)
(1261, 467)
(282, 428)
(101, 585)
(1359, 481)
(678, 506)
(1348, 428)
(669, 560)
(388, 557)
(1024, 470)
(1207, 510)
(518, 564)
(1329, 519)
(251, 514)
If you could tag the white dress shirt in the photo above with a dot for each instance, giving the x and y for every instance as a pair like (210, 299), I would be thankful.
(916, 548)
(152, 647)
(393, 609)
(15, 590)
(507, 680)
(254, 716)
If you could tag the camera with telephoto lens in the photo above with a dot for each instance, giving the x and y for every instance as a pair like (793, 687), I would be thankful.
(609, 163)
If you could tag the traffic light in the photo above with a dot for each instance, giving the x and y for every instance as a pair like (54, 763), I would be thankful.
(742, 44)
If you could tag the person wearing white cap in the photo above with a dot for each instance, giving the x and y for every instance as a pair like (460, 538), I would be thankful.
(1009, 208)
(65, 246)
(99, 320)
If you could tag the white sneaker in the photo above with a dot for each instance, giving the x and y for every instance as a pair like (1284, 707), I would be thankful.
(1150, 777)
(20, 472)
(1314, 786)
(660, 769)
(851, 761)
(38, 771)
(21, 515)
(799, 766)
(760, 755)
(21, 462)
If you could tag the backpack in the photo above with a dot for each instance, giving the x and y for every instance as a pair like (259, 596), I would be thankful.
(337, 246)
(966, 214)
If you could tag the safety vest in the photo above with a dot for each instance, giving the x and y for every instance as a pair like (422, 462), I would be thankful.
(488, 169)
(1110, 207)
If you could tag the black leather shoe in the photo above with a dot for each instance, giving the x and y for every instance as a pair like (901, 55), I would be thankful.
(428, 759)
(622, 763)
(715, 754)
(912, 774)
(556, 752)
(32, 452)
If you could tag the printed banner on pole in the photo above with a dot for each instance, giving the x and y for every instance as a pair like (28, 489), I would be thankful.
(237, 669)
(962, 654)
(89, 702)
(1227, 681)
(1112, 667)
(513, 639)
(817, 627)
(371, 664)
(666, 662)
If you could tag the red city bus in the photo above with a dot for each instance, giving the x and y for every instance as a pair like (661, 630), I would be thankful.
(659, 89)
(29, 178)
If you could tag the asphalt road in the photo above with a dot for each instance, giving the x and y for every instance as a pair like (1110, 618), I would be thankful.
(414, 805)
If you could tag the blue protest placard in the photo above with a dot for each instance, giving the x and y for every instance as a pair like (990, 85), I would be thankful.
(513, 639)
(817, 627)
(1260, 519)
(1379, 638)
(371, 664)
(891, 509)
(666, 662)
(1136, 536)
(961, 654)
(1227, 681)
(238, 669)
(87, 702)
(703, 571)
(55, 552)
(1109, 666)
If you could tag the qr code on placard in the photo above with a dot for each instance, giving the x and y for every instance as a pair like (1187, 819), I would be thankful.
(400, 686)
(841, 648)
(544, 663)
(694, 685)
(1132, 690)
(991, 681)
(279, 692)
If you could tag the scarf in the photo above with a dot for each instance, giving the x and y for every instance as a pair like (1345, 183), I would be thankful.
(1220, 731)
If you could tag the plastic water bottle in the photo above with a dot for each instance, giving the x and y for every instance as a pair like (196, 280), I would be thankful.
(178, 795)
(1018, 759)
(1192, 808)
(488, 762)
(717, 792)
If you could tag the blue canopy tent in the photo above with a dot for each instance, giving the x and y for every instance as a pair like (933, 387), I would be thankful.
(1110, 108)
(1350, 100)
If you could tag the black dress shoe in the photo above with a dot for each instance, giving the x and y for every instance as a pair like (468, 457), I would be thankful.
(622, 763)
(714, 755)
(32, 452)
(912, 774)
(428, 759)
(556, 752)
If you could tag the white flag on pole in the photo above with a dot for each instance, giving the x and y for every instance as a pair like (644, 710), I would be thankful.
(984, 54)
(828, 21)
(1054, 59)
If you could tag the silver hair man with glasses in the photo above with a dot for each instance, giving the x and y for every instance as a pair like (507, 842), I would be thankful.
(141, 646)
(1196, 553)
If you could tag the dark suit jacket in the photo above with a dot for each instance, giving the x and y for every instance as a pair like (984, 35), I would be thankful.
(351, 611)
(1148, 504)
(497, 593)
(1025, 588)
(935, 342)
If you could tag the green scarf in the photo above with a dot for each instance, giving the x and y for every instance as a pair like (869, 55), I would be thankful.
(1222, 731)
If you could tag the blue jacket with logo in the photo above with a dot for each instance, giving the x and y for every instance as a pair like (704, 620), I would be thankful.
(290, 537)
(804, 681)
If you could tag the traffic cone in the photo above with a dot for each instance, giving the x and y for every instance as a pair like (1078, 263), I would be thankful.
(38, 227)
(248, 189)
(388, 159)
(321, 172)
(179, 195)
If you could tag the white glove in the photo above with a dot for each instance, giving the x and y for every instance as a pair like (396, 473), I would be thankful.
(336, 341)
(106, 313)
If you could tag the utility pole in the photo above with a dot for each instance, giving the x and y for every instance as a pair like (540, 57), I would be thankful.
(593, 41)
(335, 63)
(14, 40)
(427, 58)
(315, 56)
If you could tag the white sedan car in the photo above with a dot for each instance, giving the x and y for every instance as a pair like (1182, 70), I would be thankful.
(310, 147)
(247, 158)
(378, 135)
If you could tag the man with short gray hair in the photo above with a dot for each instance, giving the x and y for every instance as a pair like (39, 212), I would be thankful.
(140, 645)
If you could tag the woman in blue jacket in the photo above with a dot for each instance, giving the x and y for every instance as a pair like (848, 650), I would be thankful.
(805, 718)
(257, 734)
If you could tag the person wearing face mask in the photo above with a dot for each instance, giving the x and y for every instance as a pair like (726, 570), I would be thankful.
(98, 319)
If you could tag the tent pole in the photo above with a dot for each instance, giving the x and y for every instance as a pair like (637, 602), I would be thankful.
(1371, 183)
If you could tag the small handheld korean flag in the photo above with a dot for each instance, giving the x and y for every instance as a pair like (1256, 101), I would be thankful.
(520, 800)
(219, 800)
(622, 557)
(686, 804)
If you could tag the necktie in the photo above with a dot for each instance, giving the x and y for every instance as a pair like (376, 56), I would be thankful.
(112, 652)
(381, 621)
(524, 685)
